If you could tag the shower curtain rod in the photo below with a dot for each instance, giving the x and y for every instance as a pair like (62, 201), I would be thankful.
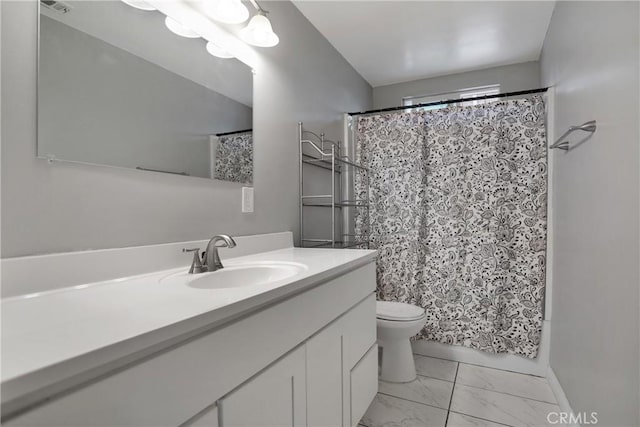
(235, 131)
(453, 101)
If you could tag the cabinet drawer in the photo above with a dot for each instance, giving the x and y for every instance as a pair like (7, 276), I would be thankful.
(364, 384)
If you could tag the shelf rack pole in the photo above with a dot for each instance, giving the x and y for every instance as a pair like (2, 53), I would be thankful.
(333, 196)
(301, 187)
(368, 213)
(340, 195)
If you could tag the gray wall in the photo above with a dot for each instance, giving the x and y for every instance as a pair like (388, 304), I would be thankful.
(100, 104)
(591, 56)
(66, 207)
(510, 77)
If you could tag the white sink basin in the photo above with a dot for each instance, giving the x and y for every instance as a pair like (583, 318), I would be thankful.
(236, 276)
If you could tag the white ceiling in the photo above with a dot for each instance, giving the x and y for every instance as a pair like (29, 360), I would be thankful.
(397, 41)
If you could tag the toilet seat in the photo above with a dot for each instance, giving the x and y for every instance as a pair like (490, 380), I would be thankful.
(398, 311)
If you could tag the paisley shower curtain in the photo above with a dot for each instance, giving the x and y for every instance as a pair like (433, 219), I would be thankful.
(458, 214)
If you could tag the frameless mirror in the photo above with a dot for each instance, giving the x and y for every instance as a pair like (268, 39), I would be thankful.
(117, 88)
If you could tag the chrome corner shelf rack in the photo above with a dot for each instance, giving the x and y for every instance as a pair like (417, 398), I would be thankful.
(317, 151)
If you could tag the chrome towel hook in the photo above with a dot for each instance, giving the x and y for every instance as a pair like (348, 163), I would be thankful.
(589, 126)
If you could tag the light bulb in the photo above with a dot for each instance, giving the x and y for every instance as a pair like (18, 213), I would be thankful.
(227, 11)
(216, 50)
(139, 4)
(259, 32)
(179, 29)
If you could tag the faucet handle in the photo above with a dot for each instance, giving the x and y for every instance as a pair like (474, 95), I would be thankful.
(196, 264)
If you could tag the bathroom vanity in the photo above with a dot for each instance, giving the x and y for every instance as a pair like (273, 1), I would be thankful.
(280, 337)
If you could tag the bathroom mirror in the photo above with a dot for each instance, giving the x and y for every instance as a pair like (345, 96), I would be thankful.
(116, 87)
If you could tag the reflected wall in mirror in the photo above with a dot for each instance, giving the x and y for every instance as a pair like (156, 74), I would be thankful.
(117, 88)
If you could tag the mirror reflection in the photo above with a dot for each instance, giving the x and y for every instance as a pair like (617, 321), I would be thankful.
(117, 88)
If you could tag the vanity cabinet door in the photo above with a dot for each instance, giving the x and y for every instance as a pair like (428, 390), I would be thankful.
(335, 395)
(325, 373)
(358, 339)
(274, 397)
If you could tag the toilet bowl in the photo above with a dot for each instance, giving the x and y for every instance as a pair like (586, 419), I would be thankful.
(396, 323)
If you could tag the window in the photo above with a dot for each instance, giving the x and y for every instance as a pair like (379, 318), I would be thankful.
(479, 93)
(473, 92)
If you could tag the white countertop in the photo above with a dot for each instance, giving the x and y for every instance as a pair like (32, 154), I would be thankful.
(51, 336)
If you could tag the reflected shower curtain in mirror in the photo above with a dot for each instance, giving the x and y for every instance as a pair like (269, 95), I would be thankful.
(458, 201)
(234, 158)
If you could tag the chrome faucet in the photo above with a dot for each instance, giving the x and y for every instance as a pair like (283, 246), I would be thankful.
(210, 260)
(211, 257)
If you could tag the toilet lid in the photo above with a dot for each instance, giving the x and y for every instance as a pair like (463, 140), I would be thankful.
(388, 310)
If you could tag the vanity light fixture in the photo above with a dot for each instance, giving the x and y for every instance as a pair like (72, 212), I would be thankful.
(139, 4)
(216, 50)
(179, 29)
(227, 11)
(258, 31)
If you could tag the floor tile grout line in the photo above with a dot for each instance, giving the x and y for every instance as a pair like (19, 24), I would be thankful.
(424, 376)
(501, 370)
(508, 394)
(413, 401)
(454, 386)
(435, 357)
(480, 366)
(434, 378)
(480, 418)
(482, 388)
(455, 378)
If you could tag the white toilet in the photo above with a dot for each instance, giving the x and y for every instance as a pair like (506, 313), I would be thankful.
(396, 323)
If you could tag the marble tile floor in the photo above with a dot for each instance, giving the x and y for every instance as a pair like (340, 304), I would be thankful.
(453, 394)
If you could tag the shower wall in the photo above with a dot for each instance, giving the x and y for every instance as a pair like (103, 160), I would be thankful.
(591, 56)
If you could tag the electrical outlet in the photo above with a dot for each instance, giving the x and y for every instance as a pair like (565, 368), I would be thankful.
(247, 199)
